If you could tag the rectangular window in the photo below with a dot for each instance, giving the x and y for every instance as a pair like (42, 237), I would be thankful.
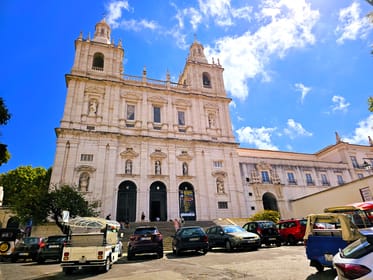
(157, 114)
(309, 179)
(291, 178)
(340, 180)
(354, 162)
(218, 164)
(222, 204)
(86, 157)
(181, 117)
(131, 112)
(324, 180)
(265, 177)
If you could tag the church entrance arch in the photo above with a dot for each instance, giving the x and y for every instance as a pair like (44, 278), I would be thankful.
(158, 202)
(126, 203)
(269, 201)
(187, 202)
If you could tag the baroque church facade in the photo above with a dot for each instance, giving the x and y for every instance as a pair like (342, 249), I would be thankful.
(166, 149)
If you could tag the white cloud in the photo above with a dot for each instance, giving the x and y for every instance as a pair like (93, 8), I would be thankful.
(219, 10)
(340, 104)
(259, 137)
(115, 12)
(303, 89)
(364, 129)
(137, 25)
(352, 25)
(289, 26)
(295, 129)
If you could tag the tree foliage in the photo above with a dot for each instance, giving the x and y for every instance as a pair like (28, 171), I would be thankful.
(266, 215)
(68, 198)
(28, 194)
(4, 118)
(370, 102)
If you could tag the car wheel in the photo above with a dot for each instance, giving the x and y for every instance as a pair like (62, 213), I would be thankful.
(204, 251)
(278, 243)
(291, 240)
(67, 270)
(160, 254)
(107, 264)
(130, 255)
(228, 245)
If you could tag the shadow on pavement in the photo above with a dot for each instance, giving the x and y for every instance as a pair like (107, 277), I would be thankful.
(328, 274)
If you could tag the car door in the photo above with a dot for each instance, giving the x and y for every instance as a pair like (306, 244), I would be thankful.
(219, 236)
(211, 233)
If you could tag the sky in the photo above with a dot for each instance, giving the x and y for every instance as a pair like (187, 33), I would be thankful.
(297, 71)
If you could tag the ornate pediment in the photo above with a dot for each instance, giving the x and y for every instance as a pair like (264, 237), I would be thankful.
(263, 166)
(129, 153)
(219, 173)
(95, 89)
(86, 168)
(210, 106)
(184, 156)
(157, 155)
(182, 103)
(131, 97)
(157, 100)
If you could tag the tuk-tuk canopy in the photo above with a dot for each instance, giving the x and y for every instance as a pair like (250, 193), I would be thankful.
(337, 221)
(92, 224)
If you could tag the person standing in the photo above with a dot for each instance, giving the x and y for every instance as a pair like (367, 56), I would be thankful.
(142, 216)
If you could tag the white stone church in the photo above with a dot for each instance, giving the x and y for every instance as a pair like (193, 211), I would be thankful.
(166, 149)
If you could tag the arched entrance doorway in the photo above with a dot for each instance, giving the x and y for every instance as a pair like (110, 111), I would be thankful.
(187, 205)
(158, 202)
(269, 202)
(126, 203)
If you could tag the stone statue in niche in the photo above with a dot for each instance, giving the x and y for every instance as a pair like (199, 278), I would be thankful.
(157, 167)
(93, 107)
(185, 169)
(220, 185)
(84, 182)
(211, 119)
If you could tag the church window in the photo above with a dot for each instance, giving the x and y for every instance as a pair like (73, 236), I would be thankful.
(324, 180)
(181, 117)
(130, 112)
(309, 179)
(340, 180)
(98, 62)
(222, 204)
(291, 178)
(128, 166)
(206, 79)
(265, 177)
(157, 114)
(218, 164)
(86, 157)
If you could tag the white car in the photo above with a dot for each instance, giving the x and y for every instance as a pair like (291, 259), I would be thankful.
(356, 260)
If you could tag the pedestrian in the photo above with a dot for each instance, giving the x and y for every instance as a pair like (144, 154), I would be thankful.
(142, 216)
(176, 224)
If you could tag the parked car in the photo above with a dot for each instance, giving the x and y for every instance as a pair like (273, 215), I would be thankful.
(28, 248)
(356, 260)
(145, 239)
(292, 231)
(52, 248)
(232, 237)
(267, 231)
(325, 234)
(191, 238)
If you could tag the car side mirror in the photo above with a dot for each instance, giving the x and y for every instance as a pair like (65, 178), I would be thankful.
(221, 232)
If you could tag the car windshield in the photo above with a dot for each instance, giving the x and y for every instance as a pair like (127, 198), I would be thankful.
(31, 240)
(303, 222)
(143, 231)
(56, 238)
(191, 231)
(358, 248)
(231, 229)
(267, 225)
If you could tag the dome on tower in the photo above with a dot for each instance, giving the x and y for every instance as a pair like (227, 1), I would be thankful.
(196, 52)
(102, 32)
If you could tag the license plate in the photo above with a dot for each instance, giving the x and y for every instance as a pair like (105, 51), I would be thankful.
(54, 246)
(146, 238)
(23, 254)
(328, 257)
(272, 238)
(194, 239)
(250, 241)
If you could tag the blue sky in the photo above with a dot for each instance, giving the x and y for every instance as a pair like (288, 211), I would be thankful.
(297, 71)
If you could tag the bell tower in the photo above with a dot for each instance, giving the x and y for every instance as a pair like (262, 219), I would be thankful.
(200, 75)
(98, 56)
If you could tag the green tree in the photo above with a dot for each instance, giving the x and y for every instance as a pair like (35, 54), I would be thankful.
(26, 192)
(4, 118)
(66, 197)
(266, 215)
(370, 102)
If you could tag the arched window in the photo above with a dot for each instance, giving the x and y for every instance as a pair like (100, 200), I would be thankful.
(128, 166)
(98, 62)
(206, 79)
